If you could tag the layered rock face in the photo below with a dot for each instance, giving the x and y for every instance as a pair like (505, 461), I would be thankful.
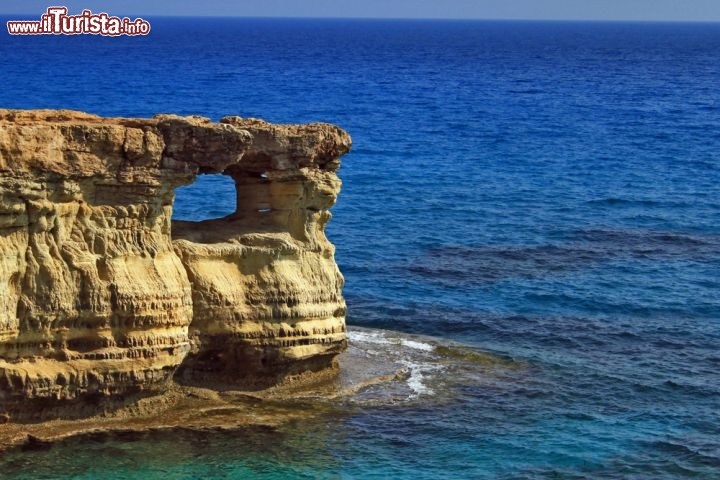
(101, 294)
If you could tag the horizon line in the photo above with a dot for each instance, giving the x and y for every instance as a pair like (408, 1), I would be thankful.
(473, 19)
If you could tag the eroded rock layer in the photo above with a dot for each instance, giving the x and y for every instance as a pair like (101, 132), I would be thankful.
(101, 294)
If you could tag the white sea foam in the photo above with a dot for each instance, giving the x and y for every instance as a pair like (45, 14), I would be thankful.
(381, 338)
(426, 347)
(368, 337)
(417, 376)
(414, 356)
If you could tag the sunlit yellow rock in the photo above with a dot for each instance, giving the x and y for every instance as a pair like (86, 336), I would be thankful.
(102, 295)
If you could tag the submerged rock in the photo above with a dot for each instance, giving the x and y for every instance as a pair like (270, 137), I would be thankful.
(103, 297)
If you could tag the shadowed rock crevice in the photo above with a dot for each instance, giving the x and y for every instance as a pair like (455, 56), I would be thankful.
(103, 295)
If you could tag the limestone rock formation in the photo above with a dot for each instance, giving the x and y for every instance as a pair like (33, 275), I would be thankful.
(102, 295)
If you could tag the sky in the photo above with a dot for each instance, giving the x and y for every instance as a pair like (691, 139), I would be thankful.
(643, 10)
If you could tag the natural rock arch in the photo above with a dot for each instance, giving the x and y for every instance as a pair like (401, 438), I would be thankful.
(103, 296)
(209, 196)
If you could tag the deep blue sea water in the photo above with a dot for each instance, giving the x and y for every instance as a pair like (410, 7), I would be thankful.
(546, 192)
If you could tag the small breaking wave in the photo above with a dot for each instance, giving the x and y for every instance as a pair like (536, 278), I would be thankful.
(413, 358)
(418, 377)
(424, 367)
(417, 345)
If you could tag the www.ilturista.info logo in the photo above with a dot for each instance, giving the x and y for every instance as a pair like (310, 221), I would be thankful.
(57, 22)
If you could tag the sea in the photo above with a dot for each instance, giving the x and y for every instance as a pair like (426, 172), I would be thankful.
(529, 223)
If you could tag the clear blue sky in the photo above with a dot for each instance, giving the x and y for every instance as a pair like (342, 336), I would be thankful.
(653, 10)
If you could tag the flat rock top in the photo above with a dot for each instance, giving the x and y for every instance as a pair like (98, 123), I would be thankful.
(60, 141)
(34, 117)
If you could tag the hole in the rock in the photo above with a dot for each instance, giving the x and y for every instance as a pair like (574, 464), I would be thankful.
(210, 196)
(264, 210)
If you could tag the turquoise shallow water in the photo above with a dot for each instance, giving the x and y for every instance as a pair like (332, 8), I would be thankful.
(544, 192)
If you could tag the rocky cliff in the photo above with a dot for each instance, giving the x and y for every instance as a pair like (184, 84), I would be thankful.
(102, 295)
